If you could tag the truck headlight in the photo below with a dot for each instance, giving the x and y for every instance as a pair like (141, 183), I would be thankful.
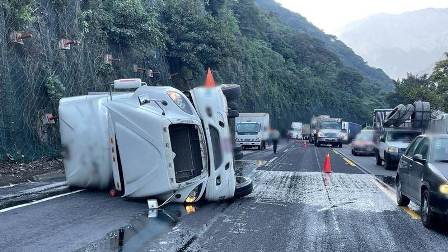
(193, 196)
(180, 101)
(392, 149)
(443, 188)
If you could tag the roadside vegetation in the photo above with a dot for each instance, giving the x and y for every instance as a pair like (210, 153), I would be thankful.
(287, 72)
(431, 87)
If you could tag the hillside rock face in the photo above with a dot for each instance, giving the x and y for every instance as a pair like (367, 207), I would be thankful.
(289, 71)
(399, 44)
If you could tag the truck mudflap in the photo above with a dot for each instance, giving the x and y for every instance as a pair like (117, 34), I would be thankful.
(211, 106)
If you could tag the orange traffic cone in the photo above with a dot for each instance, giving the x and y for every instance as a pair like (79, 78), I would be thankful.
(327, 164)
(209, 80)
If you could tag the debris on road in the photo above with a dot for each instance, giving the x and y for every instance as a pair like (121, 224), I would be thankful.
(13, 172)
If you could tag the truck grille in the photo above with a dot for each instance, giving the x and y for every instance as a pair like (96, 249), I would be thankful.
(185, 143)
(331, 135)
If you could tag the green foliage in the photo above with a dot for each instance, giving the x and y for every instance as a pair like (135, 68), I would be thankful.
(290, 71)
(55, 89)
(433, 88)
(128, 22)
(21, 12)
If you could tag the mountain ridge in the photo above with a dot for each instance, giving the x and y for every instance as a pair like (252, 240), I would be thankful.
(409, 42)
(348, 57)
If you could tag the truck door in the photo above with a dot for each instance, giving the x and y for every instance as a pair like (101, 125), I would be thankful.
(211, 106)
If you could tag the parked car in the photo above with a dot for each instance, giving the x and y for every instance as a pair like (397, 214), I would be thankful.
(151, 142)
(423, 177)
(391, 144)
(363, 143)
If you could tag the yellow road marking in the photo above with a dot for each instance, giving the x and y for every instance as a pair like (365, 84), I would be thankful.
(414, 215)
(348, 161)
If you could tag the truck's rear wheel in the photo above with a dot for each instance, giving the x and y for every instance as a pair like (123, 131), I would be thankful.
(243, 187)
(231, 91)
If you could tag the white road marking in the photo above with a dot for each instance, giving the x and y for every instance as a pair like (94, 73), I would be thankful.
(36, 189)
(270, 161)
(285, 150)
(39, 201)
(8, 186)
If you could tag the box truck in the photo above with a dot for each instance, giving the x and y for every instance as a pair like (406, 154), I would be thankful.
(252, 130)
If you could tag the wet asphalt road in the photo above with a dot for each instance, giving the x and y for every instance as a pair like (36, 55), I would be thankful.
(294, 207)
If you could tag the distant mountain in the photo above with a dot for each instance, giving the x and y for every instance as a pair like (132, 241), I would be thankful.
(345, 54)
(408, 42)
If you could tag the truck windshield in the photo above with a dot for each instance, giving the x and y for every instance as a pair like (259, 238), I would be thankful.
(402, 136)
(330, 125)
(440, 150)
(247, 128)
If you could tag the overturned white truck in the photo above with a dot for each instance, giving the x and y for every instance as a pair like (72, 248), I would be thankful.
(154, 142)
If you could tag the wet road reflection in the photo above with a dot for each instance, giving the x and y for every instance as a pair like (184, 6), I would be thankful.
(143, 228)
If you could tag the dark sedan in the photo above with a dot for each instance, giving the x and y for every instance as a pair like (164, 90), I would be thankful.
(422, 176)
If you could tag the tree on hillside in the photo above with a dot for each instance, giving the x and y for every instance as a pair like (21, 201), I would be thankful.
(413, 88)
(440, 78)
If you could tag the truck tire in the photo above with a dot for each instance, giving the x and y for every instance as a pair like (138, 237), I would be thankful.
(243, 187)
(231, 91)
(231, 113)
(387, 163)
(422, 115)
(395, 117)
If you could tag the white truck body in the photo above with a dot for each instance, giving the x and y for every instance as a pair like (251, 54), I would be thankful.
(252, 129)
(149, 143)
(296, 130)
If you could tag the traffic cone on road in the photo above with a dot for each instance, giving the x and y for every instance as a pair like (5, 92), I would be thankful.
(327, 164)
(209, 80)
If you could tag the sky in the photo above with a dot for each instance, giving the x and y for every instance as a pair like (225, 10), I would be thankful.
(332, 15)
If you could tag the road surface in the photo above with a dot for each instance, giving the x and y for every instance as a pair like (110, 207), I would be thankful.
(294, 207)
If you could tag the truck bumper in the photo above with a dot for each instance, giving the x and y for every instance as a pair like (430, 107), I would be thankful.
(248, 144)
(328, 140)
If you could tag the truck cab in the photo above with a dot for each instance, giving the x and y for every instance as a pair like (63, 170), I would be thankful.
(153, 142)
(328, 131)
(249, 134)
(251, 130)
